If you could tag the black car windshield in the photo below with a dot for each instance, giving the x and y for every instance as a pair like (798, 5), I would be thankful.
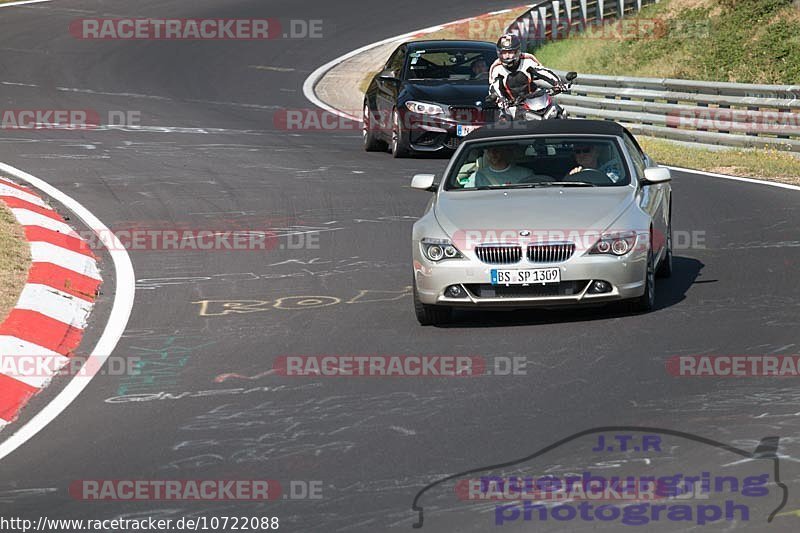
(580, 161)
(449, 64)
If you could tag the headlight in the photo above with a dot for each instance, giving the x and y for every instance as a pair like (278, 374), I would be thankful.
(439, 249)
(615, 243)
(423, 108)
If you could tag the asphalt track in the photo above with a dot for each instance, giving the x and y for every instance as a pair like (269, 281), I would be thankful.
(374, 443)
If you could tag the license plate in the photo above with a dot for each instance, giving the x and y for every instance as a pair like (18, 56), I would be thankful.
(463, 131)
(525, 277)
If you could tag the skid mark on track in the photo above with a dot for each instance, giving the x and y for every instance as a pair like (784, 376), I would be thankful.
(12, 496)
(225, 377)
(159, 364)
(175, 396)
(273, 431)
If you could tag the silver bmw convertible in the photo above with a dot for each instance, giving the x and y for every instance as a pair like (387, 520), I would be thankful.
(550, 214)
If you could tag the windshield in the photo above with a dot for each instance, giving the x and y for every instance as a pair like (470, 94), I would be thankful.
(449, 64)
(585, 161)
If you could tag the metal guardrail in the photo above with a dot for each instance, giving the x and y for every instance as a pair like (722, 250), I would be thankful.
(547, 20)
(719, 113)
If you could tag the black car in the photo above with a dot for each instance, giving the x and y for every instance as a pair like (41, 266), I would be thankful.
(428, 96)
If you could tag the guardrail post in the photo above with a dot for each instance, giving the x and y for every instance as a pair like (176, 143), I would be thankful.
(536, 30)
(522, 32)
(534, 27)
(724, 106)
(753, 108)
(555, 22)
(543, 24)
(621, 8)
(600, 10)
(584, 11)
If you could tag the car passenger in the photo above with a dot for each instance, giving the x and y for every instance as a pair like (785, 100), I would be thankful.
(497, 169)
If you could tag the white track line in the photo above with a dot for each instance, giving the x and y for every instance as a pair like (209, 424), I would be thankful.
(737, 178)
(24, 3)
(117, 320)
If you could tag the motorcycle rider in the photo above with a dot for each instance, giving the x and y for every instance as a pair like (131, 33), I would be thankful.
(515, 73)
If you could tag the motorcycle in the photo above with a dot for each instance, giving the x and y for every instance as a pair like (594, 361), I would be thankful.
(538, 105)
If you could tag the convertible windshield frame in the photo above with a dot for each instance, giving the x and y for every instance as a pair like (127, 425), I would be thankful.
(458, 160)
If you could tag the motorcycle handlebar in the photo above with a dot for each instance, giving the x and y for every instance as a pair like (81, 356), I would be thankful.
(498, 100)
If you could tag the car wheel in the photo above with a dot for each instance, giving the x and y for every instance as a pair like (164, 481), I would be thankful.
(371, 141)
(647, 300)
(399, 145)
(665, 268)
(430, 315)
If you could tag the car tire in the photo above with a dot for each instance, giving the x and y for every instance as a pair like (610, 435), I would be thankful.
(399, 145)
(430, 315)
(646, 302)
(371, 141)
(665, 267)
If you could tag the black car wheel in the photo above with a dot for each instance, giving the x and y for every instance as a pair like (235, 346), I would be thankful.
(399, 146)
(368, 130)
(430, 315)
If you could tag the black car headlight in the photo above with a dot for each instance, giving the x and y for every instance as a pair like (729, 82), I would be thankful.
(439, 249)
(424, 108)
(618, 244)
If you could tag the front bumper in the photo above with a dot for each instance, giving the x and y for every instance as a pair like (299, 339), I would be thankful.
(625, 274)
(433, 133)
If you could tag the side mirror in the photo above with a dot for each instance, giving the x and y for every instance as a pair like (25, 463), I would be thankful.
(388, 75)
(571, 75)
(423, 182)
(657, 175)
